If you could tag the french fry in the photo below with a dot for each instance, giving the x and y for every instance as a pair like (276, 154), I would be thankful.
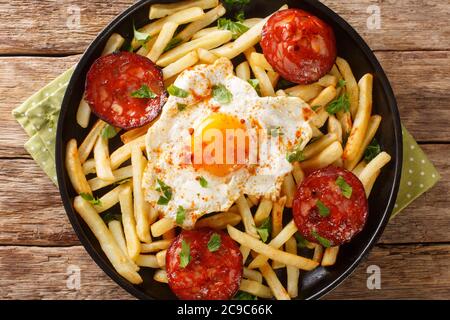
(102, 161)
(335, 72)
(147, 260)
(206, 56)
(328, 80)
(270, 251)
(273, 77)
(119, 174)
(334, 126)
(329, 257)
(318, 146)
(263, 211)
(252, 275)
(258, 59)
(83, 113)
(320, 103)
(243, 71)
(316, 133)
(208, 18)
(253, 199)
(75, 170)
(129, 223)
(162, 226)
(289, 187)
(207, 42)
(281, 93)
(368, 187)
(247, 218)
(274, 283)
(248, 23)
(264, 81)
(277, 216)
(293, 273)
(89, 166)
(372, 168)
(338, 163)
(133, 134)
(360, 125)
(219, 220)
(180, 65)
(372, 128)
(146, 47)
(163, 10)
(124, 152)
(109, 246)
(141, 207)
(88, 144)
(245, 41)
(345, 118)
(318, 253)
(160, 275)
(298, 173)
(161, 258)
(179, 17)
(350, 85)
(155, 246)
(114, 43)
(245, 251)
(256, 288)
(115, 227)
(306, 92)
(164, 37)
(359, 168)
(329, 155)
(110, 199)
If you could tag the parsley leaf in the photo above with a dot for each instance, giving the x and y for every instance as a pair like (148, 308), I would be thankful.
(166, 193)
(240, 16)
(185, 254)
(109, 132)
(203, 182)
(323, 241)
(339, 104)
(315, 108)
(264, 230)
(301, 242)
(173, 90)
(181, 106)
(296, 155)
(236, 2)
(144, 92)
(341, 83)
(346, 189)
(214, 242)
(110, 216)
(373, 149)
(142, 37)
(274, 132)
(323, 209)
(255, 85)
(236, 28)
(221, 94)
(90, 198)
(241, 295)
(181, 215)
(172, 44)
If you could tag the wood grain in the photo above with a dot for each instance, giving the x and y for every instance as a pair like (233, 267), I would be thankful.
(40, 219)
(405, 24)
(46, 270)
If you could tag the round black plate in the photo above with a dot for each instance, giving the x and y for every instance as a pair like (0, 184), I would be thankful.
(351, 47)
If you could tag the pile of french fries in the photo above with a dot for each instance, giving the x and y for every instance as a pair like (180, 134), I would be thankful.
(141, 238)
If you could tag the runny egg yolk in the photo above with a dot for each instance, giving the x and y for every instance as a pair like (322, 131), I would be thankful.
(220, 144)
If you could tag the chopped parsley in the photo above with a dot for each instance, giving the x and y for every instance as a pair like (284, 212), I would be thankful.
(214, 242)
(373, 149)
(274, 132)
(341, 83)
(185, 254)
(181, 106)
(255, 85)
(301, 242)
(324, 211)
(240, 16)
(166, 193)
(181, 215)
(141, 37)
(222, 94)
(296, 155)
(110, 216)
(173, 90)
(203, 182)
(323, 241)
(236, 28)
(109, 132)
(241, 295)
(339, 104)
(172, 44)
(265, 229)
(91, 199)
(346, 189)
(315, 108)
(144, 92)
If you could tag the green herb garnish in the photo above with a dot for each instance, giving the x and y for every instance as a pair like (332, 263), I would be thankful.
(339, 104)
(166, 193)
(173, 90)
(110, 216)
(301, 242)
(240, 16)
(323, 241)
(341, 83)
(345, 187)
(214, 242)
(109, 132)
(296, 155)
(315, 108)
(203, 182)
(181, 215)
(323, 209)
(255, 85)
(265, 229)
(222, 94)
(236, 28)
(91, 199)
(172, 44)
(373, 149)
(185, 254)
(274, 132)
(181, 106)
(142, 37)
(144, 92)
(241, 295)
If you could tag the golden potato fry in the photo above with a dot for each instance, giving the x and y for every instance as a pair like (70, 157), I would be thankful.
(164, 37)
(274, 283)
(180, 65)
(329, 257)
(75, 170)
(219, 220)
(114, 43)
(329, 155)
(129, 223)
(256, 288)
(165, 9)
(88, 144)
(351, 86)
(293, 274)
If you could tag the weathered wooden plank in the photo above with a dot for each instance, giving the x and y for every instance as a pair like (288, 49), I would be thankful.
(420, 80)
(405, 25)
(406, 272)
(39, 218)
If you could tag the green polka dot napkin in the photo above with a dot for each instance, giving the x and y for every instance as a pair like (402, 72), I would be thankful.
(39, 116)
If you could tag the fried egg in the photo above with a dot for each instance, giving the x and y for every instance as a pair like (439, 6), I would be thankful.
(218, 141)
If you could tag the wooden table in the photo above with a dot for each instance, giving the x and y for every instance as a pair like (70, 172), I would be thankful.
(37, 243)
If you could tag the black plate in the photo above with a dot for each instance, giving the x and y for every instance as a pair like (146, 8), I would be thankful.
(351, 47)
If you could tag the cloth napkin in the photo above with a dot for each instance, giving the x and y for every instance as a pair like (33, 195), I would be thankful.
(38, 116)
